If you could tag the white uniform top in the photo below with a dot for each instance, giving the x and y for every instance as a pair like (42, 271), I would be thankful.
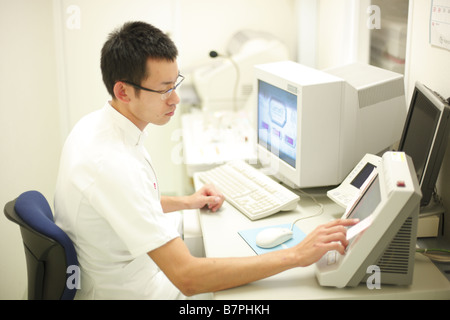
(107, 200)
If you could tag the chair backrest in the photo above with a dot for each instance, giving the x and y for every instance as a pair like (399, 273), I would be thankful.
(48, 250)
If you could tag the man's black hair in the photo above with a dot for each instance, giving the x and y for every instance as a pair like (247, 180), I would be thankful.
(125, 53)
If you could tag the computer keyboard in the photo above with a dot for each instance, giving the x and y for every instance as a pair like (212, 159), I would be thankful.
(249, 190)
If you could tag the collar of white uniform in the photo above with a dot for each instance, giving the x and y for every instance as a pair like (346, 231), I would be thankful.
(133, 135)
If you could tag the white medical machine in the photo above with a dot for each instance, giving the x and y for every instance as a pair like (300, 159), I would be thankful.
(350, 188)
(227, 82)
(384, 240)
(314, 126)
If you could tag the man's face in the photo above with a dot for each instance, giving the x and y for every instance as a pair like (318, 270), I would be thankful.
(148, 107)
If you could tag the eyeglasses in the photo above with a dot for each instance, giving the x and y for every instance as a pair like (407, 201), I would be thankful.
(165, 94)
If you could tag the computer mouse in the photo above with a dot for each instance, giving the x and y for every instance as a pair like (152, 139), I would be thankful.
(272, 237)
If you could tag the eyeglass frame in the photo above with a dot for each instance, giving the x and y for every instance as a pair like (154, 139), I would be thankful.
(164, 94)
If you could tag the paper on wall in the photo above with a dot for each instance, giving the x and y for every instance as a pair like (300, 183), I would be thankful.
(440, 23)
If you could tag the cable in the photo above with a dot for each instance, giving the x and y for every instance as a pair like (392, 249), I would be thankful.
(215, 54)
(439, 255)
(318, 213)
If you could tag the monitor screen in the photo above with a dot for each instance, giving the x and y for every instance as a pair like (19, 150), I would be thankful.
(419, 131)
(277, 122)
(362, 176)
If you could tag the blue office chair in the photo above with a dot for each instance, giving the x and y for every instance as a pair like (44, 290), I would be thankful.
(48, 250)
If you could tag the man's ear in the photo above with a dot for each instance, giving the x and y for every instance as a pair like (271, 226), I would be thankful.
(121, 92)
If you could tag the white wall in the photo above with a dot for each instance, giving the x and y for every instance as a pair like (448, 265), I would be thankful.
(29, 138)
(342, 35)
(430, 65)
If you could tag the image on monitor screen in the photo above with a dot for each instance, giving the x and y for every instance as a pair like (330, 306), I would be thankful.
(277, 121)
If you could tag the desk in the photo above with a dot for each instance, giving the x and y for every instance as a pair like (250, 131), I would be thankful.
(221, 239)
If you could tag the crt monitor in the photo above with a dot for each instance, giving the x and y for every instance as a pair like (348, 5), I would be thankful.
(313, 126)
(425, 136)
(374, 111)
(385, 238)
(297, 130)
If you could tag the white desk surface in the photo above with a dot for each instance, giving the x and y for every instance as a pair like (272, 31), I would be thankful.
(221, 239)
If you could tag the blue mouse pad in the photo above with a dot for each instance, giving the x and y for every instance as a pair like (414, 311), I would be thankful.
(250, 237)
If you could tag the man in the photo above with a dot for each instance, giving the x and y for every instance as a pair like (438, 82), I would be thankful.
(107, 197)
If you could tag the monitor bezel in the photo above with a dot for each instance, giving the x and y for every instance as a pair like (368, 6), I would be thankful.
(318, 135)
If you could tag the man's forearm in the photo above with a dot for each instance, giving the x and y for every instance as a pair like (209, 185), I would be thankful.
(171, 204)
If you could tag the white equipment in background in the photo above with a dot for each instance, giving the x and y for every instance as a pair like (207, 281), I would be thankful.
(227, 82)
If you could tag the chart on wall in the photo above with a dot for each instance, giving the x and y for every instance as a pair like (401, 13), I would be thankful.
(440, 24)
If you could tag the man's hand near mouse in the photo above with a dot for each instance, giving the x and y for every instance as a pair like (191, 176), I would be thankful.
(192, 275)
